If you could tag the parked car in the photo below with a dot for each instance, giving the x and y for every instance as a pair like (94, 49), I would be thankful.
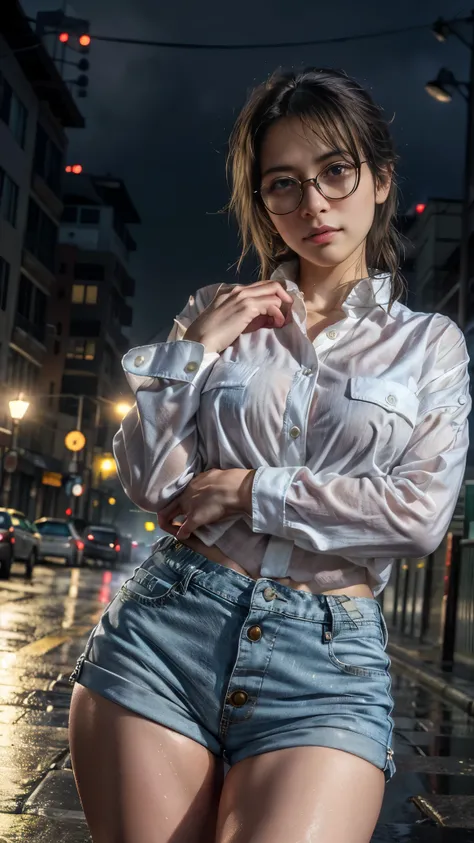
(102, 542)
(60, 540)
(19, 542)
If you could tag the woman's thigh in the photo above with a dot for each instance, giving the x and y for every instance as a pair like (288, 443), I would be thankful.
(309, 793)
(137, 780)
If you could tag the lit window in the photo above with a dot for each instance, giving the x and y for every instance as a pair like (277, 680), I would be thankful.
(77, 293)
(89, 350)
(91, 293)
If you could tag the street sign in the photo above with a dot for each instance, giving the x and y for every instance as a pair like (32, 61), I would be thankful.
(75, 440)
(10, 462)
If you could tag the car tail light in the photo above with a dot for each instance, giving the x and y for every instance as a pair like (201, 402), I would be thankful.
(117, 548)
(134, 544)
(90, 537)
(79, 544)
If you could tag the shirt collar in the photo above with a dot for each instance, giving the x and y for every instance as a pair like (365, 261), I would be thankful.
(367, 293)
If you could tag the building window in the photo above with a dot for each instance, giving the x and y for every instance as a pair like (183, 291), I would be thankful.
(84, 293)
(62, 268)
(22, 374)
(12, 111)
(57, 347)
(90, 216)
(80, 349)
(89, 272)
(4, 282)
(8, 197)
(77, 293)
(41, 235)
(48, 160)
(31, 308)
(91, 294)
(69, 213)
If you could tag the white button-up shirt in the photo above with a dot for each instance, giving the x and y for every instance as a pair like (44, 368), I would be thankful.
(359, 438)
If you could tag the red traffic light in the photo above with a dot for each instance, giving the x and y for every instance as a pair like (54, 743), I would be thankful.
(74, 168)
(68, 511)
(420, 208)
(63, 37)
(84, 40)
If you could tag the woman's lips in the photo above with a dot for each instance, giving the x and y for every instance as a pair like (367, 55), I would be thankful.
(323, 237)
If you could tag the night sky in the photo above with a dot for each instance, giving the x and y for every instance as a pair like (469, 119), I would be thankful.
(160, 118)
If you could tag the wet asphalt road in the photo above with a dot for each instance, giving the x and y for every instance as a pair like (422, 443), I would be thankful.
(43, 626)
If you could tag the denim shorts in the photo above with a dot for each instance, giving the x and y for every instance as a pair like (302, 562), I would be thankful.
(243, 666)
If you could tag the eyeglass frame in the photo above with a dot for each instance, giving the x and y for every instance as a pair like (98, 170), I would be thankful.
(314, 180)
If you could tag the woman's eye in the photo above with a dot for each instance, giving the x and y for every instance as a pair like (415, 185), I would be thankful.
(280, 185)
(337, 170)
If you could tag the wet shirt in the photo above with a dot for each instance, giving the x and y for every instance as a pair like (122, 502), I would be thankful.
(359, 438)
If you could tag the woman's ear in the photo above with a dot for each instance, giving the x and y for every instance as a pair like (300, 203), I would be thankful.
(383, 185)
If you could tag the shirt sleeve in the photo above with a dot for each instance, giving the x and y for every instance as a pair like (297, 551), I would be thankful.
(156, 447)
(405, 513)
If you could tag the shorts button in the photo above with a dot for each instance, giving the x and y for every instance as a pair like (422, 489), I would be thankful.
(254, 633)
(238, 698)
(191, 366)
(269, 593)
(139, 360)
(295, 432)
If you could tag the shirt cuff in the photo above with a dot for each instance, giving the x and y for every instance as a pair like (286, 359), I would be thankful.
(180, 360)
(269, 489)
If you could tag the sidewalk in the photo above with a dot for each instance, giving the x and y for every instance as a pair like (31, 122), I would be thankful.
(423, 663)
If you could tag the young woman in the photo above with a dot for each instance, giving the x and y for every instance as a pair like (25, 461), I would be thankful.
(294, 435)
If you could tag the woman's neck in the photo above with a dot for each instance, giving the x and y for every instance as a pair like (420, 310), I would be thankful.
(326, 288)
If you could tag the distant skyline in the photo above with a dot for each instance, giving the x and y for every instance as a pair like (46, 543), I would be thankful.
(160, 118)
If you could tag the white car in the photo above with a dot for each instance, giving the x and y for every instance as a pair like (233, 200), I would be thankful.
(60, 541)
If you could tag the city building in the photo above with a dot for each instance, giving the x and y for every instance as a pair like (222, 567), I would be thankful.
(89, 312)
(36, 107)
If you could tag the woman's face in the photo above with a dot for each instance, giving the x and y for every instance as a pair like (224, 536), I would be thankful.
(291, 149)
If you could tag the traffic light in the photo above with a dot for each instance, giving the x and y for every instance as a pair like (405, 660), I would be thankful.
(68, 512)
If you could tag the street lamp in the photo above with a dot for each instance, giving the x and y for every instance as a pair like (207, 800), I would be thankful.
(439, 89)
(18, 407)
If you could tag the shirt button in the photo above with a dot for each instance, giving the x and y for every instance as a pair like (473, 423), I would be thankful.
(307, 371)
(332, 335)
(191, 366)
(269, 594)
(139, 361)
(238, 698)
(295, 432)
(462, 399)
(254, 633)
(391, 400)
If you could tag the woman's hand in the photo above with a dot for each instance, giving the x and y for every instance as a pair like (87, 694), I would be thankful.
(209, 497)
(239, 310)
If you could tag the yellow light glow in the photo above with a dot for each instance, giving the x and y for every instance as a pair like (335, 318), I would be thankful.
(122, 409)
(107, 464)
(112, 501)
(18, 408)
(149, 526)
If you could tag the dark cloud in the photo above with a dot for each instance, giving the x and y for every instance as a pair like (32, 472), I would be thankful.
(160, 118)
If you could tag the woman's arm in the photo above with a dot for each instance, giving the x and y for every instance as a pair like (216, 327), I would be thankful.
(155, 448)
(405, 513)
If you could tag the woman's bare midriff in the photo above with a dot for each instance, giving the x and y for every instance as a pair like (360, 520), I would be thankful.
(215, 555)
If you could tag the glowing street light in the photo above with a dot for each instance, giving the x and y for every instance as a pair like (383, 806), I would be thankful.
(122, 408)
(107, 465)
(18, 408)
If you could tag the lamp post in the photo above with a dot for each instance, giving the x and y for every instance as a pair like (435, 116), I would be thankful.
(18, 407)
(439, 89)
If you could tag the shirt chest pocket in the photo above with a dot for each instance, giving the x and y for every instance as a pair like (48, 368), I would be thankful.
(229, 374)
(396, 399)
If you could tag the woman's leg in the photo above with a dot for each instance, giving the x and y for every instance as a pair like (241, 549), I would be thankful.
(310, 794)
(139, 781)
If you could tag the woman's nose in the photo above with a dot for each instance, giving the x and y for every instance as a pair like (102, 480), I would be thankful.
(313, 202)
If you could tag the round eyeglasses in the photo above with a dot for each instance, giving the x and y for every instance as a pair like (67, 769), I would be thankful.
(284, 194)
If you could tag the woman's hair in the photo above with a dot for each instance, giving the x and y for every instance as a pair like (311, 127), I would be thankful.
(342, 114)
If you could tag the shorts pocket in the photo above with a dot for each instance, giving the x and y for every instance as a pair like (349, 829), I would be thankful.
(357, 646)
(151, 587)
